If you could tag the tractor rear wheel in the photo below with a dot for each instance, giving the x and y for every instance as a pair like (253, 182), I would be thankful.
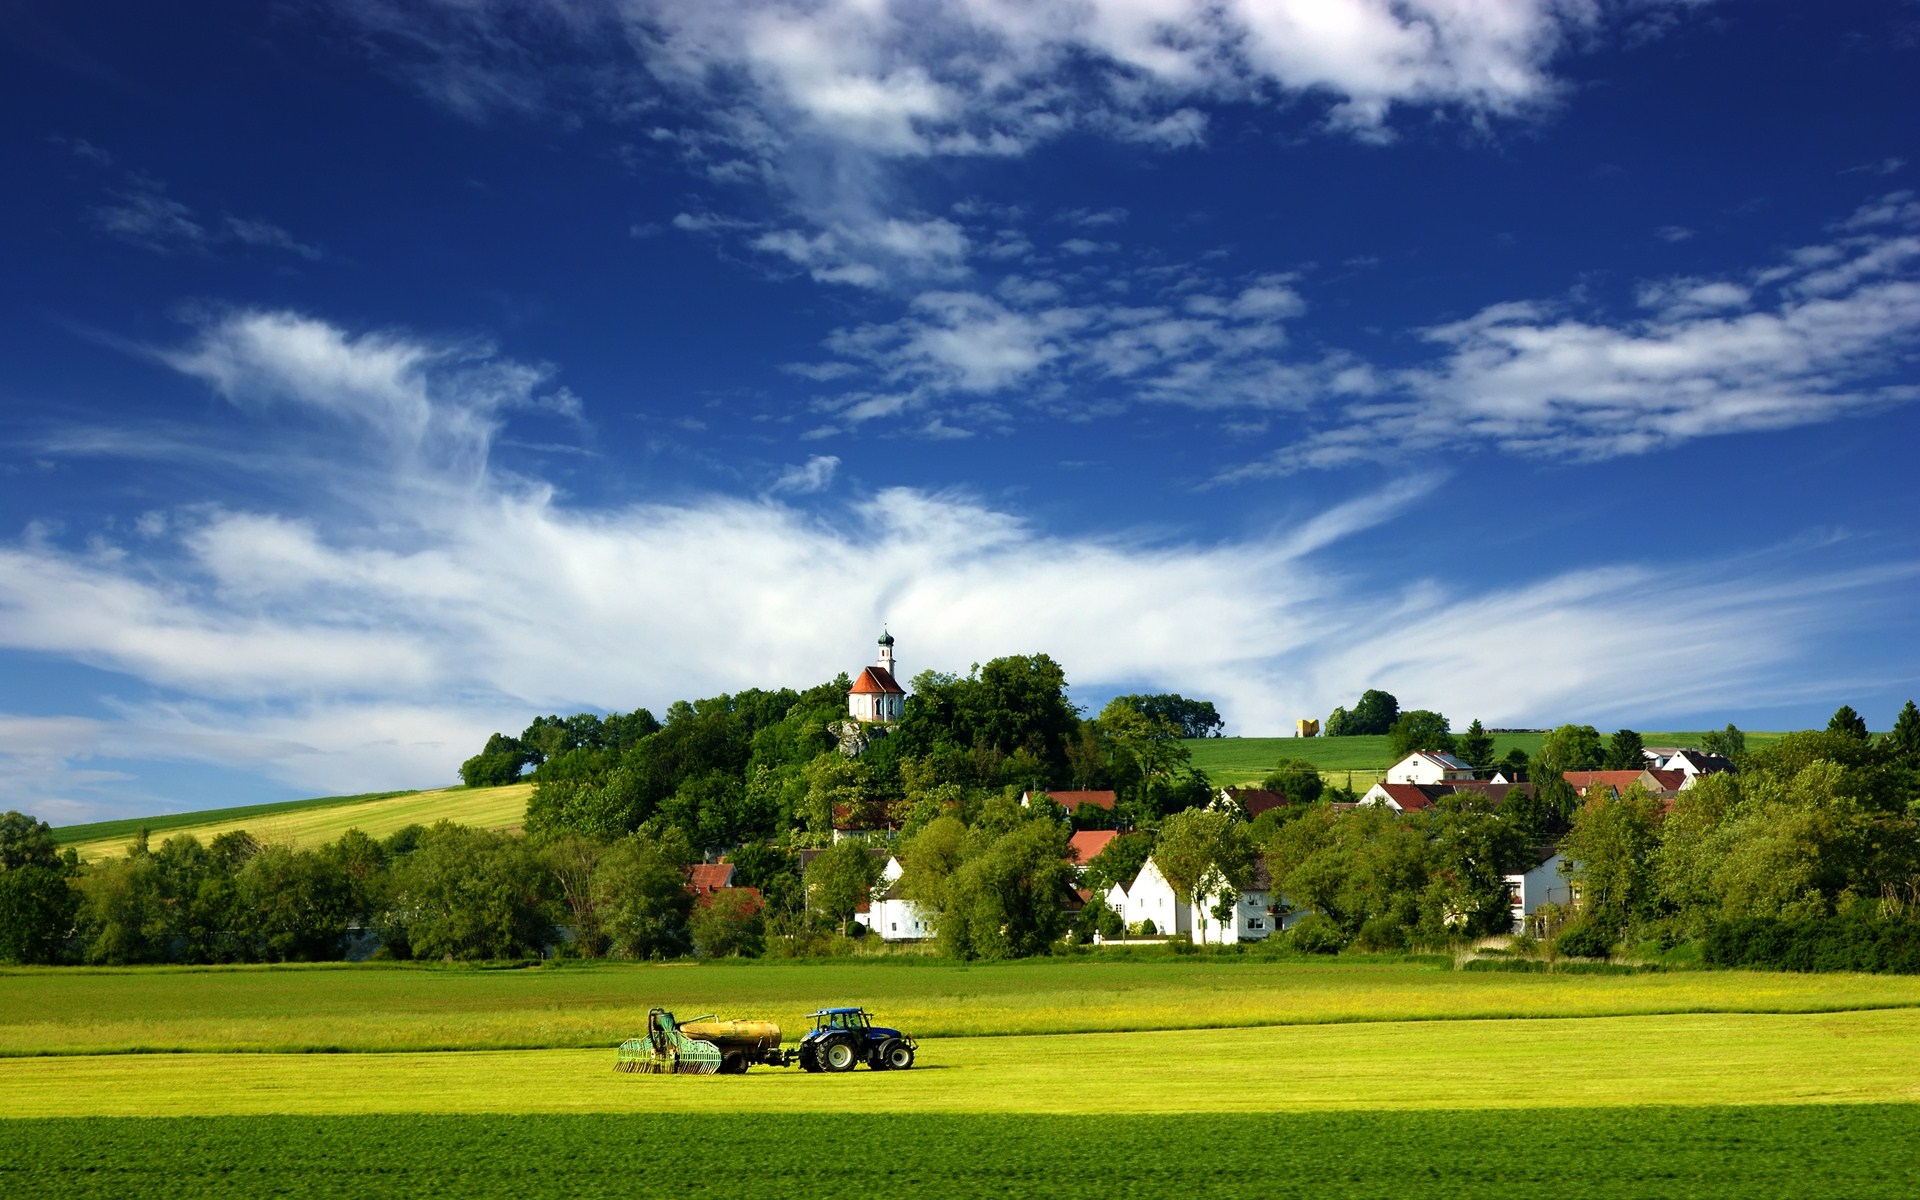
(839, 1056)
(895, 1056)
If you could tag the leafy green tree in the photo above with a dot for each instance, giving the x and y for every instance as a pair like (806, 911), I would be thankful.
(501, 762)
(1119, 862)
(37, 903)
(1374, 714)
(1610, 851)
(1419, 729)
(1193, 718)
(729, 924)
(1296, 779)
(1691, 848)
(1475, 746)
(473, 894)
(1625, 751)
(840, 879)
(1903, 744)
(292, 906)
(1794, 847)
(573, 861)
(1339, 723)
(1006, 898)
(1569, 748)
(122, 917)
(1467, 852)
(640, 890)
(1352, 868)
(1727, 743)
(1848, 722)
(1150, 762)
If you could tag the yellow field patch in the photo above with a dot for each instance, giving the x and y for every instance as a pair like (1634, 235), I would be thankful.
(483, 808)
(1521, 1064)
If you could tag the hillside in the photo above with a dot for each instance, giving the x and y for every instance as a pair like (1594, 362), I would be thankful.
(1248, 759)
(314, 822)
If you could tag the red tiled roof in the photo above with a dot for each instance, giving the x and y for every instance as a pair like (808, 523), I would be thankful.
(1411, 797)
(1258, 800)
(709, 877)
(755, 901)
(877, 679)
(1084, 845)
(1619, 781)
(1669, 781)
(1073, 800)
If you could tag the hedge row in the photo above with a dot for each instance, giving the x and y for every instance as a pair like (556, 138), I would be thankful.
(1890, 946)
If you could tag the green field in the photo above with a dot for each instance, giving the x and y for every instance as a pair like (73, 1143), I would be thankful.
(1198, 1075)
(1240, 760)
(314, 822)
(404, 1008)
(1735, 1152)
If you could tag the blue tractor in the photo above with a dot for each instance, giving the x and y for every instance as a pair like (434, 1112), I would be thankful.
(843, 1038)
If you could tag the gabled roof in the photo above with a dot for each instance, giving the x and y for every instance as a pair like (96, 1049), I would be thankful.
(1701, 762)
(1071, 801)
(1083, 846)
(1411, 797)
(703, 878)
(1669, 781)
(1619, 781)
(1257, 800)
(1445, 760)
(876, 680)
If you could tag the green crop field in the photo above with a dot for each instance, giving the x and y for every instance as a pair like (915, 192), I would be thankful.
(1231, 1153)
(1144, 1075)
(313, 822)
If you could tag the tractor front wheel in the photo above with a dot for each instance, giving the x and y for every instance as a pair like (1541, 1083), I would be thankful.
(895, 1056)
(839, 1056)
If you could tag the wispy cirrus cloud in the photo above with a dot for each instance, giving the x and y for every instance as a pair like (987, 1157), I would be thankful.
(337, 653)
(144, 215)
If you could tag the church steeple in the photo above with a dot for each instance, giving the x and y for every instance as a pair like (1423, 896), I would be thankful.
(886, 653)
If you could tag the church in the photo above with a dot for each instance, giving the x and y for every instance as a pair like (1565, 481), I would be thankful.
(876, 698)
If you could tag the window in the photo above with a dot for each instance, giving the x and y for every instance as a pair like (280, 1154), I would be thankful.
(1256, 923)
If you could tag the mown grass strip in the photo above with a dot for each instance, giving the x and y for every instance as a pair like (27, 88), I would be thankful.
(1520, 1065)
(70, 1011)
(127, 827)
(1798, 1153)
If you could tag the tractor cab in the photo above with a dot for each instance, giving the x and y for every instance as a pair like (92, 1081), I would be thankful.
(853, 1019)
(843, 1038)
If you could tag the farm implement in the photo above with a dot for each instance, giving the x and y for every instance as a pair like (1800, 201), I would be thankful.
(840, 1040)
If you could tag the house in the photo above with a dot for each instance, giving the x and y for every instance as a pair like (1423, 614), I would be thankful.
(1662, 785)
(875, 697)
(704, 879)
(1428, 766)
(1538, 879)
(1694, 763)
(1403, 797)
(1071, 801)
(1082, 847)
(1247, 803)
(1151, 898)
(890, 914)
(1253, 918)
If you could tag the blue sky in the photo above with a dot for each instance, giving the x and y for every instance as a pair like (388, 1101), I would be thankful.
(376, 375)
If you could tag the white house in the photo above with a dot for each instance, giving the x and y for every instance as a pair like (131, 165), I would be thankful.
(875, 697)
(1252, 920)
(1150, 898)
(891, 915)
(1428, 766)
(1538, 879)
(1402, 797)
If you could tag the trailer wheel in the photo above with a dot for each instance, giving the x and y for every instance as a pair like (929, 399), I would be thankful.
(895, 1056)
(839, 1056)
(733, 1064)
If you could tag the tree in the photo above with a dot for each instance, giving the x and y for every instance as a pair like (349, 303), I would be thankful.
(1569, 748)
(37, 904)
(728, 924)
(640, 890)
(1726, 742)
(1006, 899)
(1904, 742)
(1624, 751)
(499, 763)
(1848, 722)
(1475, 746)
(1199, 846)
(473, 894)
(1296, 779)
(1193, 718)
(1611, 852)
(1374, 714)
(1149, 759)
(1339, 723)
(291, 906)
(840, 879)
(1419, 729)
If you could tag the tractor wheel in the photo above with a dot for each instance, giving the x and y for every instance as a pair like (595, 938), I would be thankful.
(839, 1056)
(809, 1057)
(895, 1056)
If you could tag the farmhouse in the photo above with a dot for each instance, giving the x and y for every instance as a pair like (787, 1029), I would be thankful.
(1428, 766)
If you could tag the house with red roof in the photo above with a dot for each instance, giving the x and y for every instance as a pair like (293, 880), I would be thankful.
(1082, 847)
(1071, 801)
(1664, 785)
(1247, 803)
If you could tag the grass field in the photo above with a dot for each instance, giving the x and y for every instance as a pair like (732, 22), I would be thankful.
(1786, 1153)
(1242, 760)
(402, 1008)
(1397, 1079)
(314, 822)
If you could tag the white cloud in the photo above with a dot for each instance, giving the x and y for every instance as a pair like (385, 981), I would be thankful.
(144, 215)
(814, 475)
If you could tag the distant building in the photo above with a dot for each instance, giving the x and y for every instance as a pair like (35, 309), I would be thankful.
(876, 698)
(1428, 766)
(1307, 727)
(1071, 801)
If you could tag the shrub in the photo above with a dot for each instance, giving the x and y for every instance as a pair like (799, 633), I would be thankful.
(1316, 933)
(1584, 939)
(1381, 933)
